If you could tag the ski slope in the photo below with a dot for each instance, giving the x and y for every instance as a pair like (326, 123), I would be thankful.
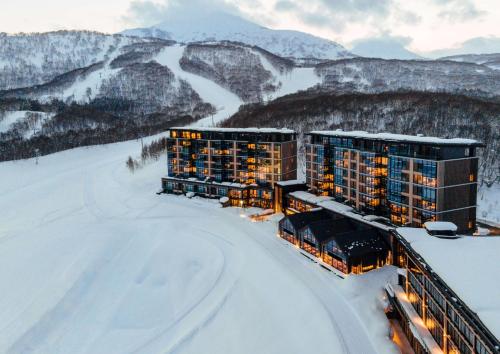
(93, 261)
(297, 79)
(226, 102)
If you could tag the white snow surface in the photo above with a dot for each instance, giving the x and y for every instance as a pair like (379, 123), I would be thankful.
(297, 79)
(93, 81)
(397, 137)
(469, 265)
(9, 118)
(210, 25)
(238, 130)
(488, 201)
(226, 102)
(93, 261)
(440, 226)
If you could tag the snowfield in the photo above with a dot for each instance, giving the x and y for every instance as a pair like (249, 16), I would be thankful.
(93, 261)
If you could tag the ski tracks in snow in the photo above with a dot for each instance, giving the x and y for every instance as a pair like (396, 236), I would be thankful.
(172, 339)
(337, 308)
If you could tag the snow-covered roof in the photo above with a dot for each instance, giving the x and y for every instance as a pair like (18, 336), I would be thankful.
(417, 325)
(468, 265)
(397, 137)
(309, 197)
(329, 203)
(291, 182)
(237, 130)
(440, 226)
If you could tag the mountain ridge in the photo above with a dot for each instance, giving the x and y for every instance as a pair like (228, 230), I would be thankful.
(222, 26)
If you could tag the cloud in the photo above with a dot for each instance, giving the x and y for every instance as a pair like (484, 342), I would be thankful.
(334, 14)
(285, 5)
(148, 13)
(458, 10)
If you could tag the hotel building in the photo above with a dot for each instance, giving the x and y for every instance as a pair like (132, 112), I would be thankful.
(409, 179)
(240, 164)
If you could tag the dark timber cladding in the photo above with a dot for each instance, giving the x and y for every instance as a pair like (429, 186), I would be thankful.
(241, 164)
(409, 179)
(343, 243)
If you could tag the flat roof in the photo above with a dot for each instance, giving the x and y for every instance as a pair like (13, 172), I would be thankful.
(398, 137)
(469, 266)
(237, 130)
(290, 182)
(440, 226)
(330, 204)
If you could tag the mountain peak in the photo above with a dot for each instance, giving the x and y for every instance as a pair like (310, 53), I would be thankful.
(223, 26)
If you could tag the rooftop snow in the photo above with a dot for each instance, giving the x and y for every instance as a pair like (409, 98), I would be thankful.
(330, 204)
(237, 130)
(440, 226)
(396, 137)
(291, 182)
(468, 265)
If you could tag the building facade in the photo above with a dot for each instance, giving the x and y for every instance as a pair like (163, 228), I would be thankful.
(409, 179)
(432, 316)
(241, 164)
(343, 243)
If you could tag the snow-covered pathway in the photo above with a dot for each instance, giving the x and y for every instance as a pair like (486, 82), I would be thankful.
(92, 261)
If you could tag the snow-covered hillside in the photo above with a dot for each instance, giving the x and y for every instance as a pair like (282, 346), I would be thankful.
(490, 60)
(157, 76)
(378, 75)
(27, 123)
(35, 58)
(220, 26)
(93, 261)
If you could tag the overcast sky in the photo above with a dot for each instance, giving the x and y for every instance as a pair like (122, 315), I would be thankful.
(421, 25)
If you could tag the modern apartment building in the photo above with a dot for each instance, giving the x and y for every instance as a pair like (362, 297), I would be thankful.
(241, 164)
(409, 179)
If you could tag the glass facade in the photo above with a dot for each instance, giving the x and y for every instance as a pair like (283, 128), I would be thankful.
(250, 161)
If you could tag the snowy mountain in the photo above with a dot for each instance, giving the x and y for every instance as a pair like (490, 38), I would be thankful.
(378, 75)
(35, 58)
(220, 26)
(490, 60)
(92, 88)
(384, 48)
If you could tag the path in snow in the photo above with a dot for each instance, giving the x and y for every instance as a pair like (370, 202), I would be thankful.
(92, 261)
(226, 102)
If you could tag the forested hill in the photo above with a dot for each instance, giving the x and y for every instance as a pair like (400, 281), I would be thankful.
(434, 114)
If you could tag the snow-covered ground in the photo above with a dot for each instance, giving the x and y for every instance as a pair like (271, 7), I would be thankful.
(93, 261)
(86, 88)
(298, 79)
(226, 102)
(8, 118)
(488, 200)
